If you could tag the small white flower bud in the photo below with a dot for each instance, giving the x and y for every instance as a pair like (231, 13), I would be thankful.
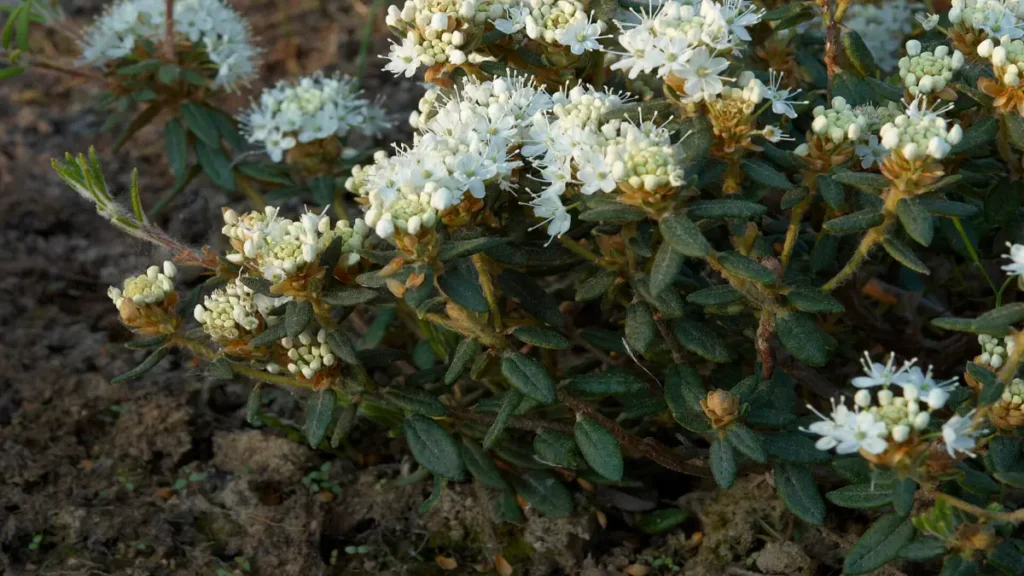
(170, 270)
(900, 433)
(910, 392)
(885, 397)
(862, 398)
(198, 312)
(996, 361)
(308, 373)
(913, 47)
(937, 398)
(998, 56)
(921, 420)
(985, 48)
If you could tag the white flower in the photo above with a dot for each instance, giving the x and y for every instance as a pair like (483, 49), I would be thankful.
(928, 21)
(403, 59)
(1016, 255)
(580, 35)
(871, 152)
(551, 212)
(702, 77)
(879, 374)
(780, 97)
(958, 435)
(514, 21)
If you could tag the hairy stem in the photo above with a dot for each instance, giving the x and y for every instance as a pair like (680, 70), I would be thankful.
(678, 354)
(516, 422)
(487, 286)
(796, 218)
(1015, 517)
(169, 31)
(867, 244)
(763, 342)
(578, 249)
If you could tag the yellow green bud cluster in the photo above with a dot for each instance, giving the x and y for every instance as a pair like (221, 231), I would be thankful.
(904, 414)
(928, 72)
(149, 288)
(1007, 59)
(308, 355)
(838, 123)
(921, 132)
(228, 312)
(579, 108)
(994, 351)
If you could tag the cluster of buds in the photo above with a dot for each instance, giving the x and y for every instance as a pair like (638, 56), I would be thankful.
(434, 33)
(1008, 412)
(278, 247)
(973, 21)
(307, 356)
(994, 351)
(146, 302)
(553, 22)
(921, 132)
(314, 108)
(209, 26)
(833, 130)
(925, 73)
(1007, 60)
(229, 313)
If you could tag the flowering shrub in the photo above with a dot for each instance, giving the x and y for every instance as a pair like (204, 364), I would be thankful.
(665, 232)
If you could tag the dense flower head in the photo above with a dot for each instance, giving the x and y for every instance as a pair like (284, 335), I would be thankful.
(1008, 411)
(228, 312)
(1016, 256)
(553, 22)
(996, 18)
(838, 123)
(464, 143)
(308, 354)
(313, 108)
(883, 26)
(994, 351)
(921, 132)
(684, 43)
(151, 287)
(278, 247)
(928, 72)
(210, 24)
(1007, 58)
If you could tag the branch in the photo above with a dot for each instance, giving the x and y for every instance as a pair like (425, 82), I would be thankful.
(1015, 517)
(678, 355)
(646, 447)
(169, 31)
(516, 422)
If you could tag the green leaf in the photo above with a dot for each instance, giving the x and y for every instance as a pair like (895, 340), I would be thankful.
(725, 208)
(270, 173)
(858, 53)
(800, 493)
(1007, 315)
(556, 449)
(297, 316)
(21, 26)
(11, 72)
(465, 353)
(176, 147)
(813, 300)
(147, 343)
(831, 191)
(661, 521)
(341, 346)
(142, 67)
(435, 494)
(915, 220)
(795, 447)
(481, 466)
(216, 165)
(762, 173)
(903, 495)
(543, 337)
(684, 236)
(1003, 453)
(862, 496)
(719, 295)
(201, 122)
(461, 283)
(881, 543)
(852, 223)
(543, 491)
(640, 326)
(269, 336)
(746, 267)
(947, 208)
(956, 565)
(147, 115)
(613, 213)
(784, 11)
(923, 548)
(531, 297)
(904, 255)
(747, 442)
(701, 340)
(612, 382)
(665, 268)
(220, 369)
(506, 507)
(168, 73)
(344, 424)
(511, 401)
(346, 297)
(416, 401)
(1014, 129)
(528, 376)
(600, 449)
(723, 463)
(432, 447)
(992, 388)
(148, 364)
(978, 136)
(319, 410)
(596, 286)
(792, 197)
(252, 406)
(800, 334)
(451, 250)
(322, 188)
(867, 182)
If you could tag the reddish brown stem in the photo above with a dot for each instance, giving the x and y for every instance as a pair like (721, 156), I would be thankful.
(169, 31)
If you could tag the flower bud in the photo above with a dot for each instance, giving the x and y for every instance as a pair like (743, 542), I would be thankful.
(913, 47)
(721, 407)
(900, 433)
(937, 398)
(885, 397)
(921, 420)
(862, 398)
(985, 48)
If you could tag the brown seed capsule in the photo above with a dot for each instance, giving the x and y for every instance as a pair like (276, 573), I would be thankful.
(501, 566)
(446, 563)
(721, 407)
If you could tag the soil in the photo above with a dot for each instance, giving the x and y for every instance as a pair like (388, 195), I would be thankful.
(162, 475)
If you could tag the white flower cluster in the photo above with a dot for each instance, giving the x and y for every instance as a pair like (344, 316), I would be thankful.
(997, 18)
(554, 22)
(876, 422)
(311, 109)
(434, 31)
(1016, 256)
(921, 132)
(870, 149)
(836, 124)
(994, 351)
(883, 26)
(210, 24)
(685, 41)
(1007, 58)
(574, 145)
(149, 288)
(278, 247)
(307, 357)
(228, 311)
(925, 73)
(464, 143)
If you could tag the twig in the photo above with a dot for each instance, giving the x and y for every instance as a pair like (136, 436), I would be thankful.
(169, 31)
(678, 356)
(1015, 517)
(646, 447)
(487, 286)
(763, 342)
(516, 422)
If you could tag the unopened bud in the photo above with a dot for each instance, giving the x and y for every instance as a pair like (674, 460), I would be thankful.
(721, 407)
